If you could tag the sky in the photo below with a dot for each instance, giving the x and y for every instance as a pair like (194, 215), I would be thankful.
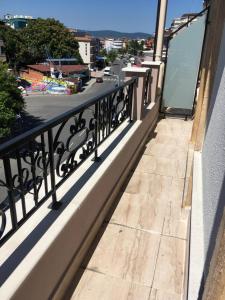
(119, 15)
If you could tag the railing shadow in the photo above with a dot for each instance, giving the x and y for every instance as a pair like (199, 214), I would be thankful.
(12, 262)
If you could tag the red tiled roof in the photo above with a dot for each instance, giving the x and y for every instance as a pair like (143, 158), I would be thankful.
(65, 69)
(83, 38)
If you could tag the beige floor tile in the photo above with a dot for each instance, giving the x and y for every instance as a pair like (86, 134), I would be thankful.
(146, 183)
(176, 122)
(141, 211)
(162, 295)
(175, 192)
(162, 166)
(127, 254)
(176, 218)
(174, 129)
(180, 140)
(169, 274)
(95, 286)
(167, 151)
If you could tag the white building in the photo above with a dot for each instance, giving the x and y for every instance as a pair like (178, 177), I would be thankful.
(108, 44)
(85, 49)
(117, 44)
(177, 22)
(111, 44)
(88, 47)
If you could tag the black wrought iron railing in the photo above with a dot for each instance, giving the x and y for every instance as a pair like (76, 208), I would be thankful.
(35, 164)
(147, 84)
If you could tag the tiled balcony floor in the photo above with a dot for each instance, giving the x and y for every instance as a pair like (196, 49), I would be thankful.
(140, 253)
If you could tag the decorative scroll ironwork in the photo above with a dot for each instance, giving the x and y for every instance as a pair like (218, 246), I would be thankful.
(35, 164)
(146, 88)
(69, 157)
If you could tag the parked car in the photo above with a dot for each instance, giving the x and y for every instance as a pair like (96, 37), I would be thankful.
(99, 79)
(107, 71)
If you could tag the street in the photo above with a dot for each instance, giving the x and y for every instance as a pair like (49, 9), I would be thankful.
(42, 108)
(45, 107)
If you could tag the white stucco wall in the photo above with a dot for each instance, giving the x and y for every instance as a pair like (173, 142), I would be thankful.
(213, 184)
(86, 55)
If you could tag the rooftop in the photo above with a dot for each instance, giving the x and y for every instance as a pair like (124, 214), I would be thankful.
(64, 68)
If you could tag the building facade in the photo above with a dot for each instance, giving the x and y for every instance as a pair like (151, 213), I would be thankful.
(88, 46)
(112, 44)
(177, 22)
(17, 21)
(2, 51)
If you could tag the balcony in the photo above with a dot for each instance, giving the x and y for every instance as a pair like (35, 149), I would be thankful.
(52, 188)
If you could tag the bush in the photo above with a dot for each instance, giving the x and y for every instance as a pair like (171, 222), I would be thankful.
(11, 100)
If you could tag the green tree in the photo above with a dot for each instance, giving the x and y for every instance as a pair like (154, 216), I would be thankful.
(134, 47)
(13, 45)
(111, 56)
(48, 38)
(103, 52)
(11, 100)
(122, 51)
(42, 38)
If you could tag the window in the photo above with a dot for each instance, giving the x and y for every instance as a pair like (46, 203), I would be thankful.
(2, 50)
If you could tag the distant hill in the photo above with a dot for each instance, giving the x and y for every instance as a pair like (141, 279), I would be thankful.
(117, 35)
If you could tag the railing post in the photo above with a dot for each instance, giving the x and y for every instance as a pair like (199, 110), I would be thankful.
(139, 93)
(9, 184)
(155, 67)
(55, 203)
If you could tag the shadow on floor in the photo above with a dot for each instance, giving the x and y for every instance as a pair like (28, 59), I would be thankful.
(75, 281)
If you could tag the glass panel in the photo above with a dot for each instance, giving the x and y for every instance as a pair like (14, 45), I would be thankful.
(184, 56)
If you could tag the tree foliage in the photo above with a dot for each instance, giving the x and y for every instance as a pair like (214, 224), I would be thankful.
(134, 47)
(41, 39)
(11, 100)
(103, 52)
(111, 56)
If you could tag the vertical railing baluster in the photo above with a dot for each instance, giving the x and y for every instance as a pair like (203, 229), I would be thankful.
(20, 174)
(55, 203)
(131, 98)
(44, 163)
(97, 129)
(9, 183)
(109, 99)
(33, 172)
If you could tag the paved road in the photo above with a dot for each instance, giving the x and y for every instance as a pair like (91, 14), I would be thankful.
(42, 108)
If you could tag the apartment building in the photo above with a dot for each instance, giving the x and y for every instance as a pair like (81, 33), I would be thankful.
(113, 44)
(177, 22)
(88, 46)
(16, 21)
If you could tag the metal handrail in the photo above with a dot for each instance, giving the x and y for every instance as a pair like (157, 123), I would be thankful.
(42, 159)
(6, 146)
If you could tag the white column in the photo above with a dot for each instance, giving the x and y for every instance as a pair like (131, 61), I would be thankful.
(161, 28)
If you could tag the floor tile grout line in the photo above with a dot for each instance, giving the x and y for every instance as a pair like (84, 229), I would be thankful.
(154, 173)
(117, 277)
(146, 230)
(134, 228)
(150, 292)
(153, 277)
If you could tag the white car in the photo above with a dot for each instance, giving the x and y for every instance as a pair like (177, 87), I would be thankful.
(107, 71)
